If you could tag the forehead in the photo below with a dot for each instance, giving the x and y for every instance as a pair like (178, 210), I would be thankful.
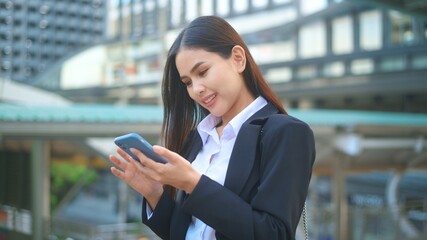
(191, 53)
(187, 57)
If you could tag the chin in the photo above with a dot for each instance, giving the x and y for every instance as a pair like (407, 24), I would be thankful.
(217, 113)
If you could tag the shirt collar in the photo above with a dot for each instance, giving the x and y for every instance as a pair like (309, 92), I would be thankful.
(207, 125)
(246, 113)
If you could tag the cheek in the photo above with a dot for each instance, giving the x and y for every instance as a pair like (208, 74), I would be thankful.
(190, 92)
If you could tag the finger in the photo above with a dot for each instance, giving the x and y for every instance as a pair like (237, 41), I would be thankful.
(147, 171)
(166, 153)
(143, 159)
(136, 165)
(118, 162)
(124, 155)
(117, 173)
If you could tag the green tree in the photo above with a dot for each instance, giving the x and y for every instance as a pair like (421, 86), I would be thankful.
(65, 177)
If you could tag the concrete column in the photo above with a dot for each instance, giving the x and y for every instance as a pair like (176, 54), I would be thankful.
(339, 199)
(40, 187)
(122, 201)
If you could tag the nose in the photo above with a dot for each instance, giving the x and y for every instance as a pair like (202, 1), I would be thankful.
(198, 87)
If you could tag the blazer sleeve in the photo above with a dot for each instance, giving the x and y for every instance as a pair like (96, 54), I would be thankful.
(159, 221)
(162, 217)
(286, 159)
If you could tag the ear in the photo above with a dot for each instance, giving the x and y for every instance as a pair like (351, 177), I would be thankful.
(238, 56)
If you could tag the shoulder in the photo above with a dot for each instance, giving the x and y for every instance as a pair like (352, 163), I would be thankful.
(284, 128)
(284, 133)
(277, 122)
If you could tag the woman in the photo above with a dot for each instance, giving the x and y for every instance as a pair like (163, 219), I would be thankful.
(239, 166)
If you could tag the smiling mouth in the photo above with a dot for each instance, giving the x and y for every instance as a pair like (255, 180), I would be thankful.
(207, 101)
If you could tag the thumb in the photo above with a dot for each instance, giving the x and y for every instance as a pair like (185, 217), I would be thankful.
(166, 153)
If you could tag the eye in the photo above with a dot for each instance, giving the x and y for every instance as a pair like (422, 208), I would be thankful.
(203, 72)
(187, 82)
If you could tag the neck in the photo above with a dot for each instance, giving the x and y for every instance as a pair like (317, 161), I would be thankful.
(246, 101)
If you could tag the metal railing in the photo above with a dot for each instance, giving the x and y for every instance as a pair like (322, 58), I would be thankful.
(364, 223)
(61, 229)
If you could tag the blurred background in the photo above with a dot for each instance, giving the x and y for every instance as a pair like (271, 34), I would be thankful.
(74, 74)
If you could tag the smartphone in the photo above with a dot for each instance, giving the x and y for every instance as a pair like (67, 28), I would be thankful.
(133, 140)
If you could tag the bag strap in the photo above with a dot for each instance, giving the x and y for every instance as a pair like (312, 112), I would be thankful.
(304, 220)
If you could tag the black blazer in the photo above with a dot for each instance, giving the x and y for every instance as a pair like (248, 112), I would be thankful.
(264, 190)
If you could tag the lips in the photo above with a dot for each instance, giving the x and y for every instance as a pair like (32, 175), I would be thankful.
(209, 100)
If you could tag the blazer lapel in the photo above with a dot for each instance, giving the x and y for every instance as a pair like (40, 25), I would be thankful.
(242, 158)
(243, 155)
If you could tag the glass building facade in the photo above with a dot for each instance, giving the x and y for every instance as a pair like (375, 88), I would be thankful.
(331, 45)
(34, 34)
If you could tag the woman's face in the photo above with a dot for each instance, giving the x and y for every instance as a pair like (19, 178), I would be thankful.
(214, 82)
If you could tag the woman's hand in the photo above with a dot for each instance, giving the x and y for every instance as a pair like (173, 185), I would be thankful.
(178, 172)
(134, 174)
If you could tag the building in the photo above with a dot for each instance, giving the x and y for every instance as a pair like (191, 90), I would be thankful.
(35, 34)
(360, 55)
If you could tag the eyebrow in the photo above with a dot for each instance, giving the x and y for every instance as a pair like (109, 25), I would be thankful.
(194, 68)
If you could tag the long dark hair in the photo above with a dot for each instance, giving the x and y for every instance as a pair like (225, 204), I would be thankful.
(181, 113)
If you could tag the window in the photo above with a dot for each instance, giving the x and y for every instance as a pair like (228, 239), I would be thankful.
(116, 3)
(190, 10)
(240, 6)
(223, 7)
(278, 75)
(334, 69)
(342, 35)
(307, 72)
(281, 1)
(401, 28)
(126, 24)
(389, 64)
(207, 7)
(273, 52)
(137, 17)
(419, 61)
(176, 8)
(310, 6)
(15, 182)
(259, 4)
(312, 40)
(162, 3)
(362, 66)
(150, 5)
(370, 30)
